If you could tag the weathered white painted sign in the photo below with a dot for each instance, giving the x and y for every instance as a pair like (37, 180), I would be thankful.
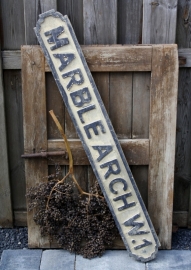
(79, 92)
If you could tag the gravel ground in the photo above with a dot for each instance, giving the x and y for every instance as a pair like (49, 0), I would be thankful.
(17, 238)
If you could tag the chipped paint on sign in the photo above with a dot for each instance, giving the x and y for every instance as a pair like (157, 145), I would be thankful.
(79, 92)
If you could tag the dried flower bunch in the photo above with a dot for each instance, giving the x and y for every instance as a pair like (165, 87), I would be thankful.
(80, 222)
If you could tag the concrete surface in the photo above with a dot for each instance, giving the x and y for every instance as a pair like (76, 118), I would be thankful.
(21, 259)
(111, 260)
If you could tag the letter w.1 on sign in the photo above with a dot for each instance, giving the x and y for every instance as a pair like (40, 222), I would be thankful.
(76, 85)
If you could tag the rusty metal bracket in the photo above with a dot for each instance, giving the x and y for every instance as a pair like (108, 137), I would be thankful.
(44, 154)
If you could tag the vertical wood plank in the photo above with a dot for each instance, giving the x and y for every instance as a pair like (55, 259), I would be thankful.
(54, 102)
(102, 82)
(129, 26)
(162, 140)
(183, 142)
(74, 10)
(121, 103)
(140, 173)
(46, 5)
(12, 20)
(6, 216)
(141, 105)
(14, 120)
(159, 21)
(100, 27)
(35, 131)
(183, 30)
(100, 21)
(31, 11)
(140, 125)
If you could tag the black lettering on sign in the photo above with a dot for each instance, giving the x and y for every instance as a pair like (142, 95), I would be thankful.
(136, 226)
(81, 97)
(117, 180)
(123, 198)
(103, 151)
(65, 59)
(113, 168)
(94, 127)
(84, 110)
(54, 38)
(146, 243)
(76, 77)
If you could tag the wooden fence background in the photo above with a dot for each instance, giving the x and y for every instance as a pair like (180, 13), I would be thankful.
(95, 22)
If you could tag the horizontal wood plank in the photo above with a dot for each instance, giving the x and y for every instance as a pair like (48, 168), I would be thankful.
(184, 57)
(12, 59)
(180, 219)
(99, 58)
(136, 151)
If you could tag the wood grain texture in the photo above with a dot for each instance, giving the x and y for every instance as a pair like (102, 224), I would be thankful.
(20, 218)
(162, 139)
(129, 26)
(141, 105)
(140, 173)
(56, 103)
(180, 218)
(32, 9)
(183, 142)
(74, 10)
(14, 122)
(184, 57)
(100, 21)
(35, 131)
(102, 82)
(120, 103)
(159, 21)
(136, 151)
(12, 24)
(140, 125)
(6, 218)
(118, 58)
(183, 33)
(12, 60)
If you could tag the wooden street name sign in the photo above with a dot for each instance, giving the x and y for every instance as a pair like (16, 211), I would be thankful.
(82, 99)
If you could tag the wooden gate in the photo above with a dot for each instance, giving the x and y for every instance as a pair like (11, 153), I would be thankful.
(138, 85)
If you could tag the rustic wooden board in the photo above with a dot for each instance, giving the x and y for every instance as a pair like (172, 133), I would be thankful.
(118, 58)
(99, 26)
(162, 139)
(136, 151)
(53, 97)
(74, 10)
(141, 105)
(13, 26)
(6, 218)
(12, 60)
(154, 203)
(120, 104)
(31, 11)
(14, 116)
(183, 142)
(35, 128)
(129, 21)
(159, 21)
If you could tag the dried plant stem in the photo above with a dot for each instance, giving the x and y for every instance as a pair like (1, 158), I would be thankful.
(71, 170)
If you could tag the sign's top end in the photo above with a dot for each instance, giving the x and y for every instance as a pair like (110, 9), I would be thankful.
(49, 13)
